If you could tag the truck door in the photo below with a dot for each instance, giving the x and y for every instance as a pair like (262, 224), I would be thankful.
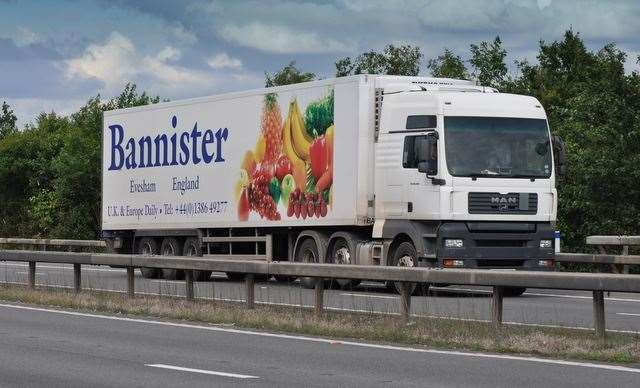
(422, 197)
(400, 188)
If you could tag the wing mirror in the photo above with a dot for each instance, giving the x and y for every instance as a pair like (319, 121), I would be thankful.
(427, 150)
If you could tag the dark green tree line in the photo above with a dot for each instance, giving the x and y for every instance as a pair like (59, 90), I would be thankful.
(50, 170)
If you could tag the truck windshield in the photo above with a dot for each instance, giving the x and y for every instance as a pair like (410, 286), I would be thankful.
(497, 147)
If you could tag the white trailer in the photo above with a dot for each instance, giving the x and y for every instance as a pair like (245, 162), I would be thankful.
(378, 170)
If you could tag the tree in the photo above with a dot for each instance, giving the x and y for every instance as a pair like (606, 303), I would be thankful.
(51, 171)
(488, 63)
(594, 106)
(448, 65)
(289, 74)
(7, 121)
(394, 60)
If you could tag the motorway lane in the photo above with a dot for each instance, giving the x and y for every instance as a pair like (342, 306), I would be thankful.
(51, 348)
(546, 307)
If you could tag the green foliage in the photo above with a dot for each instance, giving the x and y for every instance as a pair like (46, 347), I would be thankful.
(395, 60)
(7, 120)
(50, 172)
(595, 107)
(448, 65)
(487, 60)
(289, 74)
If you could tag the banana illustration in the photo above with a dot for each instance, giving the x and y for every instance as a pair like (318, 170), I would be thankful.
(298, 114)
(300, 143)
(299, 167)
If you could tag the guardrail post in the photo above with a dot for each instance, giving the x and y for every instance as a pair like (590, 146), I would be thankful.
(32, 275)
(625, 252)
(77, 278)
(598, 313)
(188, 278)
(405, 300)
(319, 296)
(496, 306)
(131, 286)
(249, 290)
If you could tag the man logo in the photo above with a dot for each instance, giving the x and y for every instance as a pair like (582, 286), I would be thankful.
(503, 202)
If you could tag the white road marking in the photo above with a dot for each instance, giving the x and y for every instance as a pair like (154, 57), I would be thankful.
(26, 273)
(629, 314)
(368, 295)
(541, 294)
(203, 371)
(616, 368)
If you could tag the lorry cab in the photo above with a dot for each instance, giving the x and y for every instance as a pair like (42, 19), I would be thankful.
(468, 172)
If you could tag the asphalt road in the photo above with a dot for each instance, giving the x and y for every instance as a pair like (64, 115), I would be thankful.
(543, 307)
(50, 348)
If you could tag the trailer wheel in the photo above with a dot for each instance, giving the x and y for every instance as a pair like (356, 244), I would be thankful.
(192, 248)
(405, 255)
(308, 253)
(171, 247)
(149, 246)
(343, 251)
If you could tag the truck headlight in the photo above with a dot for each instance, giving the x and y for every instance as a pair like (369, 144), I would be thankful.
(546, 243)
(453, 243)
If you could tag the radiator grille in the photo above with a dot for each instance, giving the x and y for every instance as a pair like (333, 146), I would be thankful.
(496, 203)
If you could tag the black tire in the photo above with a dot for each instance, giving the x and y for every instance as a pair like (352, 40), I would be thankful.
(343, 252)
(192, 248)
(513, 291)
(235, 276)
(405, 255)
(149, 246)
(307, 252)
(283, 278)
(171, 247)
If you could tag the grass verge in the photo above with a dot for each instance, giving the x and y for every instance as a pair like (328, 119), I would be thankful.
(436, 333)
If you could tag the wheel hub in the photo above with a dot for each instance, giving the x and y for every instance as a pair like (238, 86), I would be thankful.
(406, 261)
(343, 256)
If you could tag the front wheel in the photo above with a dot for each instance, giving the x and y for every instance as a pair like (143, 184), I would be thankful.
(405, 255)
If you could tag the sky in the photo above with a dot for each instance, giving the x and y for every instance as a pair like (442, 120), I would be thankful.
(55, 54)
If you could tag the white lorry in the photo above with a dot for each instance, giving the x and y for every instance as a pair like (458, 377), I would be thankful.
(367, 169)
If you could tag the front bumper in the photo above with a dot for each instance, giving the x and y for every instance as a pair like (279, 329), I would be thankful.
(496, 245)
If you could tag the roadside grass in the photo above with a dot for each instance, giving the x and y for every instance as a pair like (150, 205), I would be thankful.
(434, 333)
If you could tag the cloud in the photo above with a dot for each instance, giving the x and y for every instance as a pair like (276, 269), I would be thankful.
(117, 61)
(27, 109)
(27, 37)
(280, 39)
(184, 36)
(223, 60)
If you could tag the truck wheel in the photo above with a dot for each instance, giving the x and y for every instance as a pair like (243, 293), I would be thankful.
(308, 253)
(514, 291)
(192, 248)
(404, 255)
(171, 247)
(235, 276)
(148, 246)
(343, 252)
